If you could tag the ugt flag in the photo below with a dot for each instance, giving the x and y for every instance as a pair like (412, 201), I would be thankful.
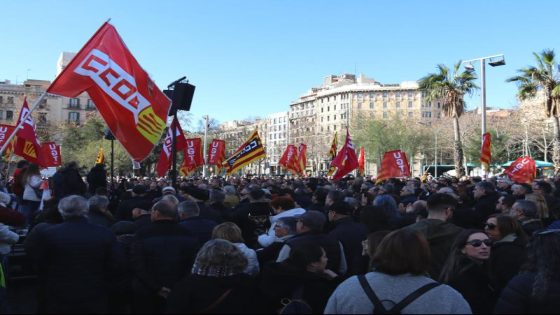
(217, 152)
(394, 164)
(133, 107)
(50, 155)
(27, 145)
(522, 170)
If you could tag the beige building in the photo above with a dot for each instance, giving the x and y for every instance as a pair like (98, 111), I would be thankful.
(322, 111)
(54, 111)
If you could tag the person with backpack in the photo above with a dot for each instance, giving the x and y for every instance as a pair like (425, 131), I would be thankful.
(397, 283)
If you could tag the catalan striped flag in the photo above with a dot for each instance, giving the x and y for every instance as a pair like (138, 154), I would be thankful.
(332, 153)
(485, 151)
(250, 151)
(100, 157)
(302, 158)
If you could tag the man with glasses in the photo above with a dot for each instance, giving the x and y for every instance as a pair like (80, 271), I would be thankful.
(525, 212)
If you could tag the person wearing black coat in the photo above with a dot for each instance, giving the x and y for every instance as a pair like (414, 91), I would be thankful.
(217, 284)
(97, 177)
(161, 255)
(486, 199)
(139, 199)
(302, 276)
(466, 270)
(253, 217)
(536, 289)
(68, 181)
(189, 216)
(77, 262)
(350, 234)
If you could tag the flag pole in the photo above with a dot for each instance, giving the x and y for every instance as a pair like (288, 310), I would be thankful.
(23, 119)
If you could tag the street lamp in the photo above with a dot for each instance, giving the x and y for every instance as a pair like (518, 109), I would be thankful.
(494, 61)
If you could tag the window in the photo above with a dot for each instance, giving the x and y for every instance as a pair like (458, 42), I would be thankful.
(74, 103)
(409, 94)
(384, 94)
(370, 105)
(10, 99)
(409, 104)
(334, 107)
(359, 105)
(73, 117)
(328, 118)
(398, 104)
(9, 115)
(1, 114)
(1, 99)
(334, 117)
(334, 127)
(322, 109)
(398, 94)
(90, 105)
(438, 105)
(384, 104)
(385, 115)
(410, 114)
(328, 108)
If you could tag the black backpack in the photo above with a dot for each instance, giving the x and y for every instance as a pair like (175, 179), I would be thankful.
(380, 309)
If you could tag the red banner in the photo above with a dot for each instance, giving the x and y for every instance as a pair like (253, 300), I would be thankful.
(50, 155)
(193, 153)
(164, 162)
(485, 151)
(394, 164)
(346, 159)
(361, 162)
(133, 107)
(522, 170)
(217, 152)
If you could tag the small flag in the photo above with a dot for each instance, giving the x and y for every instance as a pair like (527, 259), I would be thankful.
(486, 152)
(522, 170)
(394, 164)
(346, 159)
(100, 157)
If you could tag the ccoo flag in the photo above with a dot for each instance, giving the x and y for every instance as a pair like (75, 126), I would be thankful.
(522, 170)
(346, 159)
(133, 107)
(394, 164)
(486, 152)
(250, 151)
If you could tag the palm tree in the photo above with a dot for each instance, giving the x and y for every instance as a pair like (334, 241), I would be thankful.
(450, 88)
(543, 80)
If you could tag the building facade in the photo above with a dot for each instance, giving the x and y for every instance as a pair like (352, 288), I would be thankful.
(321, 112)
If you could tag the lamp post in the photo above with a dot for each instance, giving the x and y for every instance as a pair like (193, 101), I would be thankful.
(494, 61)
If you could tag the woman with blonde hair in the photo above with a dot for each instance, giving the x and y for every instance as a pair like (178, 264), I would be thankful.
(229, 231)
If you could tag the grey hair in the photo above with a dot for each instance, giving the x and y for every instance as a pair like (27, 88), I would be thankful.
(98, 202)
(221, 253)
(188, 209)
(171, 198)
(229, 190)
(529, 208)
(73, 206)
(165, 208)
(217, 196)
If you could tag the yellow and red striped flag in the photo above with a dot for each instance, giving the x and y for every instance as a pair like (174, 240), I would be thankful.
(250, 151)
(485, 151)
(332, 153)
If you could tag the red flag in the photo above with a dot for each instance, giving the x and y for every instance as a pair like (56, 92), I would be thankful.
(394, 164)
(193, 153)
(361, 162)
(27, 145)
(217, 152)
(5, 133)
(164, 161)
(346, 159)
(134, 109)
(485, 151)
(302, 158)
(50, 155)
(289, 159)
(522, 170)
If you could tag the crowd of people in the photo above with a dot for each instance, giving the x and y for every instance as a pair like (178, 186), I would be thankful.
(283, 245)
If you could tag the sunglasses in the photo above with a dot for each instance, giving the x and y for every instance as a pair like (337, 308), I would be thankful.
(490, 226)
(478, 243)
